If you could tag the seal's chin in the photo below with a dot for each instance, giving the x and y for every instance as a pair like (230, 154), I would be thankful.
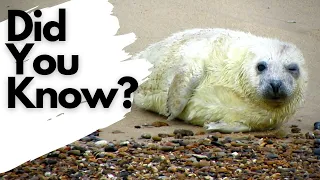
(276, 100)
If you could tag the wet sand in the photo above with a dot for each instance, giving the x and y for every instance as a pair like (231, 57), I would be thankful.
(289, 20)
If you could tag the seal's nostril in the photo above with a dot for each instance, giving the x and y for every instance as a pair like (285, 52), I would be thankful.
(275, 84)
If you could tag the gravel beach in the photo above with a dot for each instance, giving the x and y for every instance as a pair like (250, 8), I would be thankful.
(143, 146)
(182, 154)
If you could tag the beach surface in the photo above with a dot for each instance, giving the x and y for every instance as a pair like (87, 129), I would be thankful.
(289, 20)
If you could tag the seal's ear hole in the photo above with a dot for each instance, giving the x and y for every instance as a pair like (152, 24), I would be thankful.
(261, 66)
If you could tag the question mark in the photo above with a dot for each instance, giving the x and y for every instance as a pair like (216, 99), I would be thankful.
(134, 86)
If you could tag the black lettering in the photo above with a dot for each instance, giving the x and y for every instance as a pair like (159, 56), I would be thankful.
(99, 95)
(61, 25)
(37, 64)
(12, 25)
(19, 56)
(62, 98)
(53, 97)
(74, 65)
(18, 92)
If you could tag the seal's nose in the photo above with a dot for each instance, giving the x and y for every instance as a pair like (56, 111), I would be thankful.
(276, 84)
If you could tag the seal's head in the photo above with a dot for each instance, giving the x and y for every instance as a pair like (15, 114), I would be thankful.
(277, 74)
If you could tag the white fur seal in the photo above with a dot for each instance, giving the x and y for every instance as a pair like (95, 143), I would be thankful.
(225, 80)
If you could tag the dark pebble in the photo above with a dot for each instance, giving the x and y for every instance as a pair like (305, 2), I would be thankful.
(86, 139)
(124, 174)
(50, 161)
(269, 141)
(217, 144)
(96, 133)
(317, 141)
(183, 132)
(110, 148)
(317, 151)
(136, 145)
(53, 154)
(271, 156)
(81, 149)
(137, 127)
(197, 151)
(74, 152)
(227, 140)
(316, 126)
(213, 138)
(295, 130)
(95, 139)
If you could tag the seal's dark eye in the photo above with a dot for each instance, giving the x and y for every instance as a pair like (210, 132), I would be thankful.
(261, 66)
(293, 67)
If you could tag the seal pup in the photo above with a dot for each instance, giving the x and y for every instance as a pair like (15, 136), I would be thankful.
(224, 80)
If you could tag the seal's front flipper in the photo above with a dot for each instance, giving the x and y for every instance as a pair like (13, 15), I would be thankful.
(182, 88)
(223, 127)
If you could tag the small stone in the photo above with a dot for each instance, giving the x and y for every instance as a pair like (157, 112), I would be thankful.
(316, 132)
(172, 169)
(316, 126)
(316, 142)
(50, 161)
(162, 135)
(156, 138)
(137, 127)
(47, 174)
(124, 174)
(62, 156)
(208, 178)
(299, 141)
(295, 130)
(159, 124)
(75, 152)
(183, 132)
(272, 156)
(117, 132)
(110, 147)
(199, 156)
(166, 148)
(130, 168)
(146, 136)
(221, 154)
(124, 143)
(80, 148)
(101, 143)
(310, 135)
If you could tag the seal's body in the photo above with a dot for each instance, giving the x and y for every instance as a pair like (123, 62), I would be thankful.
(224, 80)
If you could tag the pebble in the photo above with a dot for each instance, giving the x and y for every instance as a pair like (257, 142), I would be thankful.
(295, 130)
(156, 138)
(310, 135)
(101, 143)
(124, 143)
(166, 148)
(159, 124)
(208, 158)
(317, 151)
(110, 147)
(75, 152)
(183, 132)
(272, 156)
(316, 126)
(146, 136)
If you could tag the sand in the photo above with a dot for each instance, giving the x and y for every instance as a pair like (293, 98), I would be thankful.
(289, 20)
